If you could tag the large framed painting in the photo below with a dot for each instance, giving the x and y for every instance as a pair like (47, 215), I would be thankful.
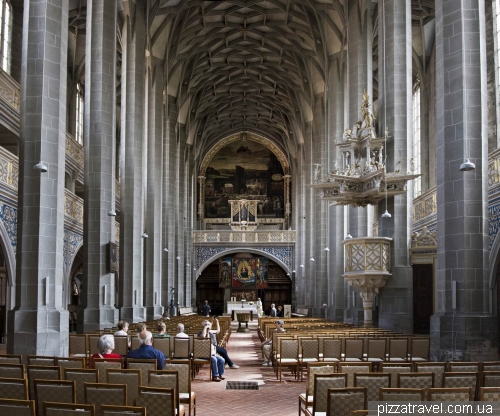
(244, 169)
(262, 277)
(248, 295)
(244, 273)
(225, 272)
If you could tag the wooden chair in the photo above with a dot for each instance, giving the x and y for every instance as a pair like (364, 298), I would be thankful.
(464, 367)
(437, 368)
(401, 395)
(420, 349)
(81, 376)
(342, 402)
(92, 340)
(61, 391)
(109, 410)
(78, 345)
(490, 366)
(121, 345)
(158, 402)
(456, 394)
(135, 343)
(186, 396)
(354, 367)
(17, 407)
(376, 351)
(398, 350)
(465, 379)
(41, 360)
(416, 381)
(167, 379)
(353, 350)
(373, 382)
(67, 409)
(71, 362)
(145, 365)
(323, 382)
(162, 344)
(102, 393)
(41, 372)
(306, 399)
(11, 359)
(14, 388)
(289, 356)
(490, 379)
(182, 349)
(308, 352)
(394, 369)
(489, 394)
(130, 377)
(102, 364)
(332, 350)
(12, 370)
(202, 353)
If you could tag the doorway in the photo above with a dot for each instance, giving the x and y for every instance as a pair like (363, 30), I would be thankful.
(422, 298)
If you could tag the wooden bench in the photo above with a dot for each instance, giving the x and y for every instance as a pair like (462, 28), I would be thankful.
(186, 311)
(301, 312)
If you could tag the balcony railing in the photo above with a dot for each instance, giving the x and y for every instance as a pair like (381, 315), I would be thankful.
(73, 206)
(9, 169)
(248, 237)
(10, 90)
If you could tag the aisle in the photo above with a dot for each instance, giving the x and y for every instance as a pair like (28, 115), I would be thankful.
(272, 398)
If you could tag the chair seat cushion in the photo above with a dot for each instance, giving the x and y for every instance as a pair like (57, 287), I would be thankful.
(288, 360)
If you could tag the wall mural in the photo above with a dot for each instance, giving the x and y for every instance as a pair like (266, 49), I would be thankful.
(244, 169)
(225, 272)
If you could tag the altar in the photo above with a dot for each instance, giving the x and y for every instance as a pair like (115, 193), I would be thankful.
(234, 308)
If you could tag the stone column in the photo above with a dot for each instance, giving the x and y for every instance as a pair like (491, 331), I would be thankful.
(466, 331)
(98, 288)
(39, 324)
(201, 203)
(132, 169)
(154, 221)
(395, 87)
(180, 215)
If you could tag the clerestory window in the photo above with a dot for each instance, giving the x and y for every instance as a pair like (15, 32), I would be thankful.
(79, 114)
(417, 183)
(6, 34)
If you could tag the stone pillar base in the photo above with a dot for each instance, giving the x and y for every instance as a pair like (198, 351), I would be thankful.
(91, 319)
(154, 312)
(464, 338)
(133, 313)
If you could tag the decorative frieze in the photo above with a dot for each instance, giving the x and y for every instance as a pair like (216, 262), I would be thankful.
(9, 169)
(9, 89)
(73, 207)
(260, 237)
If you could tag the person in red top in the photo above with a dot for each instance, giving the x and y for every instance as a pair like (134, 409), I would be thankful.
(106, 345)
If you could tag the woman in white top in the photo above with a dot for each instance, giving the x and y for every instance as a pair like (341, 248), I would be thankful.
(259, 307)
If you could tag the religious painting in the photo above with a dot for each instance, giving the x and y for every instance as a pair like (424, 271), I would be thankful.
(113, 257)
(244, 272)
(225, 272)
(244, 169)
(248, 295)
(262, 267)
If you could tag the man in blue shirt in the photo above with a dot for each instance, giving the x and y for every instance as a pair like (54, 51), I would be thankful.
(147, 351)
(205, 309)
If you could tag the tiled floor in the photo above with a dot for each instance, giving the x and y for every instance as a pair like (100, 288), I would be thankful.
(273, 398)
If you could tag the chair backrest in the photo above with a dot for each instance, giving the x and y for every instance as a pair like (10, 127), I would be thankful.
(184, 370)
(289, 348)
(437, 368)
(394, 369)
(121, 345)
(92, 340)
(62, 391)
(102, 393)
(71, 362)
(41, 372)
(398, 349)
(162, 344)
(323, 382)
(145, 365)
(41, 360)
(11, 359)
(12, 370)
(166, 379)
(353, 349)
(102, 364)
(309, 348)
(109, 410)
(401, 395)
(182, 348)
(78, 345)
(130, 377)
(465, 379)
(490, 379)
(157, 401)
(67, 409)
(351, 368)
(451, 394)
(135, 343)
(416, 380)
(316, 368)
(464, 367)
(14, 388)
(377, 348)
(202, 348)
(343, 401)
(17, 407)
(81, 376)
(489, 394)
(332, 349)
(420, 348)
(490, 366)
(373, 383)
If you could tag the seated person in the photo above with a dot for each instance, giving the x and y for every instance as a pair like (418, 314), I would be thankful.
(221, 351)
(267, 345)
(105, 346)
(162, 330)
(122, 330)
(180, 331)
(147, 351)
(280, 312)
(217, 362)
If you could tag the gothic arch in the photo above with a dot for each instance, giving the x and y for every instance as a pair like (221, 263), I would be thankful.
(10, 255)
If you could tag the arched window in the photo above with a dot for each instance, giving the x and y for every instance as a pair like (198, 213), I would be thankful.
(417, 183)
(79, 114)
(6, 34)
